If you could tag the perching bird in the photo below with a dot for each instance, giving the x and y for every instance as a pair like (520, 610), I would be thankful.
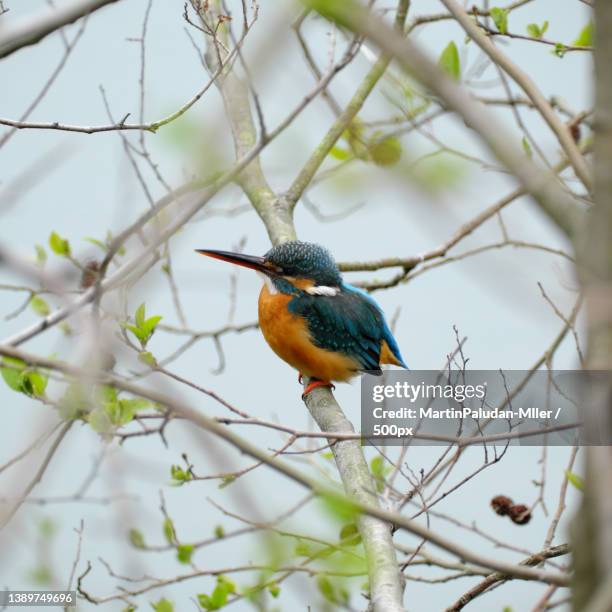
(325, 328)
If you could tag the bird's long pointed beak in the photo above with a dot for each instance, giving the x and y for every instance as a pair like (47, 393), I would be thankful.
(246, 261)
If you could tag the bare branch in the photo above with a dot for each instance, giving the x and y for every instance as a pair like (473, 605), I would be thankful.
(307, 173)
(370, 508)
(31, 30)
(4, 520)
(499, 577)
(542, 185)
(276, 213)
(529, 87)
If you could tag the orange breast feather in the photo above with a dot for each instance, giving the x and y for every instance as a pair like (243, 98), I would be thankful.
(287, 334)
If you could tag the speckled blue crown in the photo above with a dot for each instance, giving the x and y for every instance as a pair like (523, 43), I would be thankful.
(305, 260)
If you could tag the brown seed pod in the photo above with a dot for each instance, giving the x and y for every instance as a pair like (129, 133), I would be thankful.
(501, 504)
(519, 514)
(575, 132)
(90, 274)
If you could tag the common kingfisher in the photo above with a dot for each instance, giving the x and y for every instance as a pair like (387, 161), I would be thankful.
(325, 328)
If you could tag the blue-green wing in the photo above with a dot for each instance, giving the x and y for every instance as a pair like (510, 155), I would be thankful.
(348, 322)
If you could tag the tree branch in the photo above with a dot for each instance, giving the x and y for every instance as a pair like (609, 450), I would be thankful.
(281, 224)
(592, 531)
(372, 508)
(498, 577)
(529, 87)
(39, 474)
(385, 587)
(542, 184)
(345, 118)
(409, 263)
(33, 29)
(276, 213)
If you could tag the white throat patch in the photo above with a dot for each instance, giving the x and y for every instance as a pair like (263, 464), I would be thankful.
(269, 284)
(322, 290)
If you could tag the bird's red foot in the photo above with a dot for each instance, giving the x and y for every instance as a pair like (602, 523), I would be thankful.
(313, 384)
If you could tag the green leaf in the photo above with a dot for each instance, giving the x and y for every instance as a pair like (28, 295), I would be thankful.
(386, 152)
(500, 18)
(222, 590)
(139, 317)
(302, 549)
(59, 245)
(144, 328)
(526, 147)
(184, 552)
(34, 383)
(74, 403)
(179, 474)
(107, 396)
(204, 601)
(150, 324)
(136, 538)
(226, 481)
(340, 153)
(163, 605)
(39, 306)
(140, 335)
(377, 465)
(379, 471)
(229, 584)
(274, 589)
(65, 328)
(585, 38)
(219, 596)
(135, 404)
(129, 407)
(449, 60)
(340, 508)
(560, 49)
(23, 380)
(355, 137)
(113, 411)
(168, 529)
(337, 11)
(219, 531)
(534, 30)
(147, 358)
(107, 393)
(344, 595)
(97, 243)
(349, 535)
(100, 421)
(576, 480)
(326, 588)
(41, 255)
(12, 376)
